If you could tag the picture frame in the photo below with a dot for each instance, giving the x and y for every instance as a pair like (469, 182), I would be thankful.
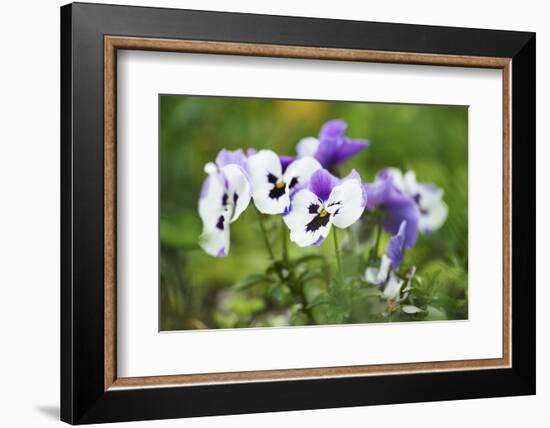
(91, 390)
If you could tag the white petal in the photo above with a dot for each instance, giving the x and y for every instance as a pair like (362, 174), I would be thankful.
(268, 205)
(215, 241)
(210, 168)
(371, 275)
(411, 309)
(434, 217)
(301, 170)
(429, 195)
(380, 274)
(397, 177)
(307, 147)
(210, 202)
(393, 287)
(345, 203)
(385, 264)
(260, 166)
(300, 217)
(410, 186)
(238, 189)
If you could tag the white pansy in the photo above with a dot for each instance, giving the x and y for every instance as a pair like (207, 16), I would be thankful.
(325, 203)
(271, 187)
(224, 196)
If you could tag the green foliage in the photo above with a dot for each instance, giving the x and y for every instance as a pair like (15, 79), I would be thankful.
(304, 286)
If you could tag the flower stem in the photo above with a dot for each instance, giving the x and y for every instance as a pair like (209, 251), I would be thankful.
(337, 251)
(266, 238)
(374, 250)
(283, 242)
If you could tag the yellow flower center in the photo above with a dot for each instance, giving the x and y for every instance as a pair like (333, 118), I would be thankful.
(323, 213)
(280, 184)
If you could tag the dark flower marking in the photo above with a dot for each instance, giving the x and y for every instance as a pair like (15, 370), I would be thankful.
(279, 188)
(277, 192)
(313, 208)
(224, 199)
(338, 209)
(235, 198)
(271, 178)
(318, 221)
(293, 182)
(219, 224)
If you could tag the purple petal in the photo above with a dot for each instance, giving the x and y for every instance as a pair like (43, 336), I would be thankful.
(347, 149)
(319, 241)
(333, 130)
(377, 193)
(286, 161)
(326, 151)
(397, 208)
(322, 182)
(221, 253)
(396, 246)
(228, 157)
(251, 152)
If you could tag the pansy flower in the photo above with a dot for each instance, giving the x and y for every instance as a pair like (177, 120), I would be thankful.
(333, 147)
(389, 263)
(225, 194)
(272, 184)
(386, 274)
(386, 194)
(326, 201)
(428, 198)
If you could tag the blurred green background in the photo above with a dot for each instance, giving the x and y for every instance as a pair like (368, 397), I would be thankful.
(196, 289)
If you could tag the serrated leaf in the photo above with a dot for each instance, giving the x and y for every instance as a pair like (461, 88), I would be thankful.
(320, 299)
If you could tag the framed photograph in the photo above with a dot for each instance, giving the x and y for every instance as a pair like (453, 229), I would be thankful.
(265, 213)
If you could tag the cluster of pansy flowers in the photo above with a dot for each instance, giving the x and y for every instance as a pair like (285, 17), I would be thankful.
(312, 200)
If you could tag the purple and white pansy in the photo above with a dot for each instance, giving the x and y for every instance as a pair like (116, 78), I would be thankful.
(428, 198)
(385, 274)
(327, 201)
(332, 147)
(225, 194)
(385, 194)
(312, 200)
(273, 183)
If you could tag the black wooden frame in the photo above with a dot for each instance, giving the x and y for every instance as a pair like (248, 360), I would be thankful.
(83, 399)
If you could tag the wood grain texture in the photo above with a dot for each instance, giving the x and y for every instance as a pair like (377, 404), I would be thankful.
(507, 213)
(112, 43)
(226, 48)
(110, 224)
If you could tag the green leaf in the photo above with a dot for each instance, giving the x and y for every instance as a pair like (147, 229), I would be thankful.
(320, 299)
(274, 267)
(251, 281)
(243, 307)
(307, 258)
(180, 231)
(371, 292)
(308, 275)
